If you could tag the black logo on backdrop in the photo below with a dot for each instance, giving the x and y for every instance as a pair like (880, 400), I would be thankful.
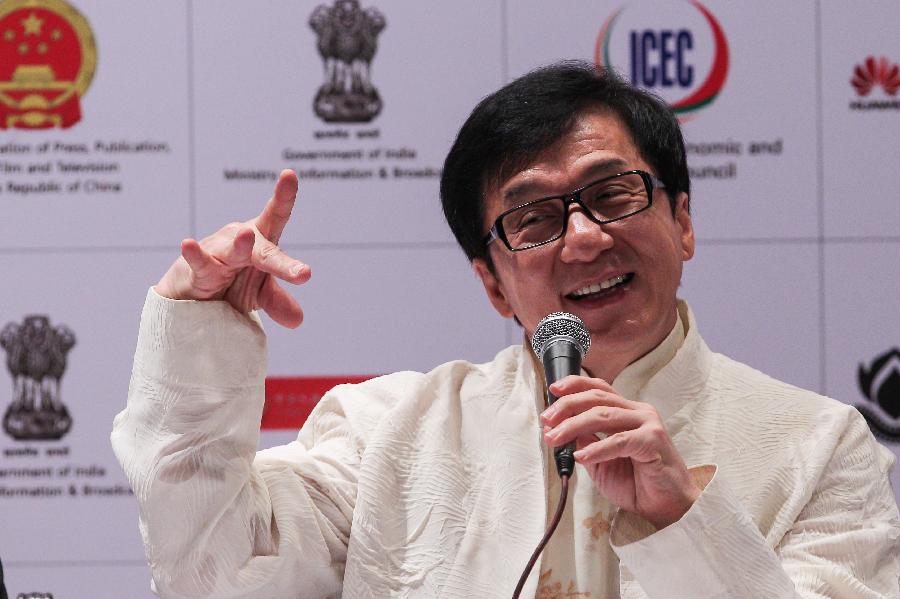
(347, 40)
(880, 384)
(36, 359)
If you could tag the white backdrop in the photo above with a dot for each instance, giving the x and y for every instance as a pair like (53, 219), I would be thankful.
(796, 271)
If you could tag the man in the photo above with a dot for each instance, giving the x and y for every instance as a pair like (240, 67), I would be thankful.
(568, 190)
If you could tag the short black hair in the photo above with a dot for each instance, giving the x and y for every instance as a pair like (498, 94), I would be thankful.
(512, 127)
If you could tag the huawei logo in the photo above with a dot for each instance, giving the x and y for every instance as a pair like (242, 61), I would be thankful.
(873, 72)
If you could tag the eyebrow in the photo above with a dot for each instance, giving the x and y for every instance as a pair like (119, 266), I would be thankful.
(530, 189)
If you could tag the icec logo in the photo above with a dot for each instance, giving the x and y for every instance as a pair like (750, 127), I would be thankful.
(681, 55)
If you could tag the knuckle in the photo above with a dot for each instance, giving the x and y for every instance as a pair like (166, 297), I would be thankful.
(658, 433)
(600, 413)
(267, 252)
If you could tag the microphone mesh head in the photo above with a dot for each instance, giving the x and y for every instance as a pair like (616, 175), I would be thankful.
(560, 324)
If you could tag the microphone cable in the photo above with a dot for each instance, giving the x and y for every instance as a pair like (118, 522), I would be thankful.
(561, 506)
(560, 341)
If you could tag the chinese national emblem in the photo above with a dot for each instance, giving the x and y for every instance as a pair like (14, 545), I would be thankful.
(36, 356)
(47, 60)
(347, 40)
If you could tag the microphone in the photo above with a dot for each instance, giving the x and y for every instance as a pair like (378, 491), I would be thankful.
(561, 341)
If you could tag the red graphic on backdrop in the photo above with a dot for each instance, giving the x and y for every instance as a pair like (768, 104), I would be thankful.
(47, 61)
(289, 400)
(873, 72)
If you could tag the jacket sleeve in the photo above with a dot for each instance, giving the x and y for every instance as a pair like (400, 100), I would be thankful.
(842, 545)
(217, 519)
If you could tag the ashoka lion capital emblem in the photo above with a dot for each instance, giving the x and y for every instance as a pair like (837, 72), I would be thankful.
(36, 359)
(347, 41)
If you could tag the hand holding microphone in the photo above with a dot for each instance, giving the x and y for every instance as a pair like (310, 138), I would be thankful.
(636, 466)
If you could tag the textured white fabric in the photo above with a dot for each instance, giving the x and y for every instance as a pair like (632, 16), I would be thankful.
(432, 485)
(579, 561)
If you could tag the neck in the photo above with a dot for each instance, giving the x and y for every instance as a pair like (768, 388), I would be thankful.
(606, 366)
(608, 363)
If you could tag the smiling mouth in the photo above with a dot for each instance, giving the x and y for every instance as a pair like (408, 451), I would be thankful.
(602, 289)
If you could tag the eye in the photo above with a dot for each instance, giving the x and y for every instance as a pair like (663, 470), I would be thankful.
(532, 216)
(611, 194)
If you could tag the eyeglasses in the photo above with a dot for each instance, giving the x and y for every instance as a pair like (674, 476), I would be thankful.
(604, 201)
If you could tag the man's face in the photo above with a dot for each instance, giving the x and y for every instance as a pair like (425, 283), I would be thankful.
(642, 254)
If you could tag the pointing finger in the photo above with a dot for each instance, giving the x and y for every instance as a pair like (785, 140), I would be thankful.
(277, 210)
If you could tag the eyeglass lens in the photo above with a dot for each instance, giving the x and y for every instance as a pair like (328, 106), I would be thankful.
(607, 200)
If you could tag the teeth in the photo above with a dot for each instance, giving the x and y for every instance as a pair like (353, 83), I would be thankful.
(598, 287)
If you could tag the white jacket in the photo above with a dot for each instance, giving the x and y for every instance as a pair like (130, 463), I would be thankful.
(432, 485)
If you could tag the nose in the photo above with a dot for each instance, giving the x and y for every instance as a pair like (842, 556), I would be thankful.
(584, 240)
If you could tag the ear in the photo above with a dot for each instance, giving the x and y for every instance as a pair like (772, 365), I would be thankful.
(685, 226)
(493, 288)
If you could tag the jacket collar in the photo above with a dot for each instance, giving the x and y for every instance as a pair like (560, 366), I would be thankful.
(668, 377)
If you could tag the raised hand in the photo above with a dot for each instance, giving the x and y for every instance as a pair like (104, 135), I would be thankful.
(636, 466)
(241, 262)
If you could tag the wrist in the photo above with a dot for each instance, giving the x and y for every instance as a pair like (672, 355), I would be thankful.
(176, 284)
(164, 288)
(698, 478)
(676, 510)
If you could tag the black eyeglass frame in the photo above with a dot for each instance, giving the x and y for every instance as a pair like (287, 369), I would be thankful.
(497, 231)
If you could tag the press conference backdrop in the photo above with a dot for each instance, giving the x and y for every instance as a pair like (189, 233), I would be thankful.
(129, 126)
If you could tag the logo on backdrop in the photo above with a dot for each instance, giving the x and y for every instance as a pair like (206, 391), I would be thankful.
(665, 59)
(879, 383)
(290, 400)
(47, 61)
(347, 41)
(878, 81)
(36, 359)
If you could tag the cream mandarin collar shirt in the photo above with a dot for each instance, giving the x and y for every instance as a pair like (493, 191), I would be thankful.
(632, 379)
(578, 560)
(425, 485)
